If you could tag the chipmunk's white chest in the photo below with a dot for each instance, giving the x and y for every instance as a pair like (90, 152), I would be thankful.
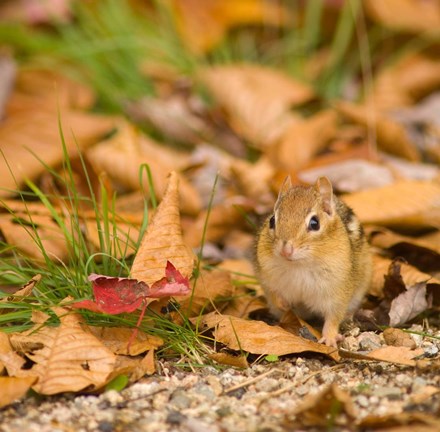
(303, 285)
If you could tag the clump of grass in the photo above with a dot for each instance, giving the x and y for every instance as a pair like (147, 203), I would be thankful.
(68, 280)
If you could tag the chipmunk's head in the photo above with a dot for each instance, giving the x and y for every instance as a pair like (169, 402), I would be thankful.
(304, 220)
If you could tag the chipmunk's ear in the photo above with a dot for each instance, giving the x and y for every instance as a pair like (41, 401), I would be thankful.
(287, 184)
(325, 189)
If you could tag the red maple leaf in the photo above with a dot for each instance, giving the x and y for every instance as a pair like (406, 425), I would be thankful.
(118, 295)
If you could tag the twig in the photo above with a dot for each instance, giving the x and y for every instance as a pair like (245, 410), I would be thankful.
(251, 381)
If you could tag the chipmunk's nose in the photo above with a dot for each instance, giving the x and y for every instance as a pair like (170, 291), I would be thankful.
(287, 250)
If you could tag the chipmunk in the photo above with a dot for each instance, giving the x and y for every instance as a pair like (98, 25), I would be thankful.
(312, 256)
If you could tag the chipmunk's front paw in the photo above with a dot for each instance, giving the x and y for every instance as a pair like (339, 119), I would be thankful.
(332, 340)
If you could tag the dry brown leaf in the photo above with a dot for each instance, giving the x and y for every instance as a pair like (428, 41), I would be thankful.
(296, 325)
(432, 240)
(28, 142)
(212, 289)
(172, 116)
(241, 270)
(122, 155)
(230, 360)
(243, 304)
(256, 100)
(401, 422)
(41, 89)
(408, 15)
(254, 180)
(391, 136)
(203, 25)
(396, 354)
(14, 388)
(18, 231)
(134, 367)
(405, 203)
(397, 337)
(409, 274)
(320, 409)
(258, 337)
(403, 83)
(163, 240)
(304, 139)
(222, 219)
(350, 175)
(22, 293)
(387, 239)
(66, 358)
(116, 339)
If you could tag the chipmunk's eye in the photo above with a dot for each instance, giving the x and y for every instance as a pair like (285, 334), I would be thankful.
(272, 222)
(314, 224)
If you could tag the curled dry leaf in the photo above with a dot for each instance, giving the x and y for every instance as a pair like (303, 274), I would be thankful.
(405, 290)
(256, 99)
(409, 304)
(14, 388)
(402, 204)
(258, 337)
(304, 139)
(122, 155)
(163, 240)
(391, 136)
(319, 409)
(65, 358)
(20, 294)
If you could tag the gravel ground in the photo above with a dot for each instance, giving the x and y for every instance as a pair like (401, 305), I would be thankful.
(211, 400)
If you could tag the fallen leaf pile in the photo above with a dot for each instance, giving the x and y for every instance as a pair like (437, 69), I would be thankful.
(191, 262)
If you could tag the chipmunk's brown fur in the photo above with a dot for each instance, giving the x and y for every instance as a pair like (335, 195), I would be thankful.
(317, 267)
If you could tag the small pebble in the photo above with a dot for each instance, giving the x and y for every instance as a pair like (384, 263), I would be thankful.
(369, 341)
